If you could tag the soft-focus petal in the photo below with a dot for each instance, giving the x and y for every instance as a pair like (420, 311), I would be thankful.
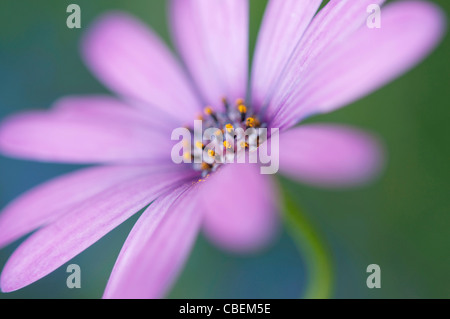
(47, 202)
(157, 247)
(68, 134)
(333, 24)
(132, 61)
(368, 60)
(283, 26)
(111, 108)
(82, 226)
(329, 155)
(240, 207)
(212, 37)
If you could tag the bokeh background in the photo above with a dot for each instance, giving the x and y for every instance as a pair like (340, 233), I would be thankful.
(400, 222)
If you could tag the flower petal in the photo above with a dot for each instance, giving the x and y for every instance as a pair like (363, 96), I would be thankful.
(240, 207)
(74, 135)
(50, 201)
(79, 228)
(333, 24)
(283, 26)
(368, 60)
(114, 109)
(329, 155)
(156, 248)
(132, 61)
(212, 37)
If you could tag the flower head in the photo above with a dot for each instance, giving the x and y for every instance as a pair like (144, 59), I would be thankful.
(305, 63)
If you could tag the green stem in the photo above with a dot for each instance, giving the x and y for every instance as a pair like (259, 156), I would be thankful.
(316, 255)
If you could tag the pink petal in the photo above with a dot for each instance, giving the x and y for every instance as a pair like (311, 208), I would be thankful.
(156, 248)
(333, 24)
(212, 37)
(108, 132)
(132, 61)
(83, 225)
(329, 155)
(113, 109)
(368, 60)
(240, 208)
(50, 201)
(283, 26)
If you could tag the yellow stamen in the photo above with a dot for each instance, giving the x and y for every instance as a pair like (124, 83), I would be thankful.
(209, 111)
(200, 145)
(240, 102)
(244, 145)
(229, 128)
(187, 156)
(211, 153)
(227, 145)
(242, 109)
(251, 122)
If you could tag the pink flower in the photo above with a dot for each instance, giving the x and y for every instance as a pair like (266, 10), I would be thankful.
(304, 64)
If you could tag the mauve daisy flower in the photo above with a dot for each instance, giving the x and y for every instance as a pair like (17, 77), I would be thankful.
(305, 63)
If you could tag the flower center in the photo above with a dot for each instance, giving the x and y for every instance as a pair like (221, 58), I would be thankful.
(231, 133)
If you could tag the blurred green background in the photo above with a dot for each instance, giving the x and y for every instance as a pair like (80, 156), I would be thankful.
(400, 222)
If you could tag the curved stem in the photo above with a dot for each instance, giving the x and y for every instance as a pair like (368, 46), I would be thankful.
(310, 244)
